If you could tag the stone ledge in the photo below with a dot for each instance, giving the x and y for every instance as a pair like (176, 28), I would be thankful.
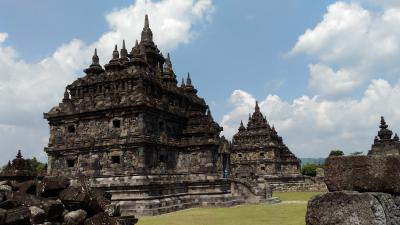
(363, 173)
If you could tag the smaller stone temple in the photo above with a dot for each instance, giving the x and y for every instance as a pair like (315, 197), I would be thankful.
(19, 169)
(385, 143)
(258, 153)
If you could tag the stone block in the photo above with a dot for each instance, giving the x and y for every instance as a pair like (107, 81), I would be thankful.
(363, 173)
(38, 215)
(52, 186)
(76, 217)
(18, 216)
(353, 208)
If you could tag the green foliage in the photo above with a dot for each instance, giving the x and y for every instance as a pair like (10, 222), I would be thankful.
(39, 166)
(336, 153)
(310, 169)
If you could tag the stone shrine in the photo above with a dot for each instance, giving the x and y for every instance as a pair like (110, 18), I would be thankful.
(384, 143)
(258, 153)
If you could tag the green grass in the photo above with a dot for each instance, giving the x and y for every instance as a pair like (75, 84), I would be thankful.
(279, 214)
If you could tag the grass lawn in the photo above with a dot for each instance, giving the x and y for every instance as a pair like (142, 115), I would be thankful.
(291, 213)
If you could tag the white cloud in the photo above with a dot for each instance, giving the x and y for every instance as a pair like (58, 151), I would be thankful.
(3, 37)
(312, 126)
(361, 43)
(27, 90)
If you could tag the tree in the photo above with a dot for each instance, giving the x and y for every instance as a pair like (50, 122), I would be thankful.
(39, 166)
(310, 169)
(336, 153)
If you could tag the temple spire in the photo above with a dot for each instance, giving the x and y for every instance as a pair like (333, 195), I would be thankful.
(241, 127)
(115, 53)
(95, 67)
(147, 34)
(257, 108)
(66, 95)
(146, 21)
(95, 58)
(19, 155)
(384, 133)
(124, 52)
(189, 80)
(183, 82)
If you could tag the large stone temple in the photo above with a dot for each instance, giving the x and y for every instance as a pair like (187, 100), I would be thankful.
(258, 153)
(136, 134)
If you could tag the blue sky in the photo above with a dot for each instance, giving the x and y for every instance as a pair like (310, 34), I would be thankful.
(313, 65)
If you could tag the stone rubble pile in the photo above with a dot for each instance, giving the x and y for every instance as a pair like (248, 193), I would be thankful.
(52, 201)
(364, 190)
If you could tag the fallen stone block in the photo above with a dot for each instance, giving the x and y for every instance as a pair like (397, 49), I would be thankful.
(9, 204)
(18, 216)
(38, 215)
(3, 214)
(75, 217)
(363, 173)
(52, 186)
(353, 208)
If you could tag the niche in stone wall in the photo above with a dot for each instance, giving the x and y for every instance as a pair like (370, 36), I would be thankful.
(116, 159)
(116, 123)
(71, 129)
(70, 163)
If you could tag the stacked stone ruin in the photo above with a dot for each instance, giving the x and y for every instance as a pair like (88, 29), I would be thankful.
(28, 199)
(135, 133)
(364, 190)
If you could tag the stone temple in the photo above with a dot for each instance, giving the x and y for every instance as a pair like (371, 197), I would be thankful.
(384, 143)
(136, 134)
(258, 153)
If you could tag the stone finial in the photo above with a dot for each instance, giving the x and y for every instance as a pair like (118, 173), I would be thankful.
(183, 82)
(146, 21)
(384, 133)
(396, 137)
(19, 155)
(209, 115)
(124, 52)
(95, 67)
(188, 80)
(95, 58)
(115, 53)
(241, 127)
(66, 95)
(147, 34)
(257, 108)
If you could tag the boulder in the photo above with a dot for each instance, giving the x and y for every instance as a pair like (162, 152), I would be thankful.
(363, 173)
(52, 186)
(100, 219)
(353, 208)
(25, 187)
(75, 217)
(38, 215)
(18, 216)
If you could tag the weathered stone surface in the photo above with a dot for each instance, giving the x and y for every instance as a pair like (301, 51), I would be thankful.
(93, 201)
(5, 188)
(38, 215)
(52, 186)
(112, 210)
(353, 208)
(8, 204)
(75, 217)
(18, 216)
(363, 173)
(3, 214)
(28, 186)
